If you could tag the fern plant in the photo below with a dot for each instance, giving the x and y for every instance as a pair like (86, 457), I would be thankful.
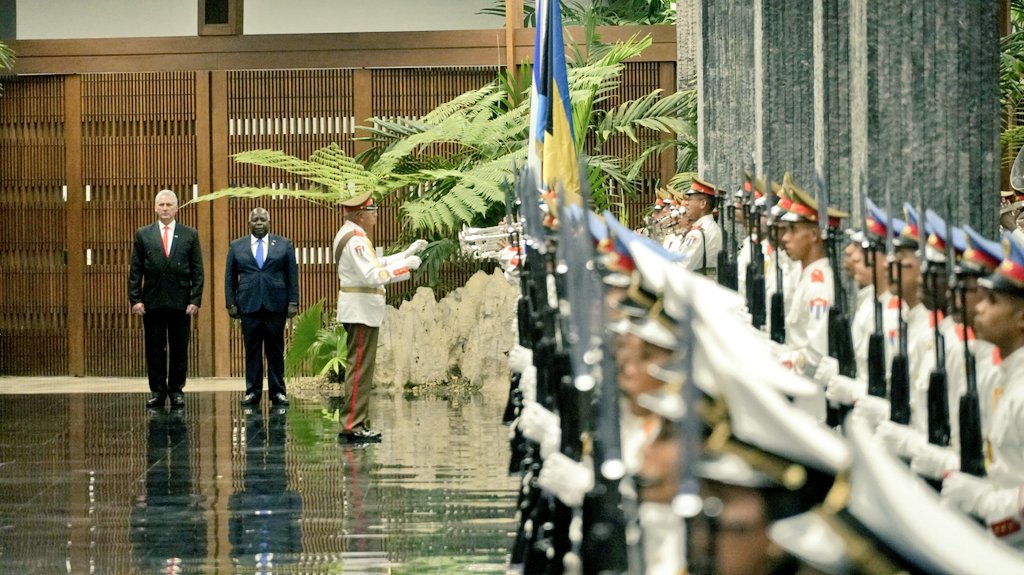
(314, 349)
(445, 169)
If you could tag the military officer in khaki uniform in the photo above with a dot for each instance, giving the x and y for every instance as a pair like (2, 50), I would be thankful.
(361, 279)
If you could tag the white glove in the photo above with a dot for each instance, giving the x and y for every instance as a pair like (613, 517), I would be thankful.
(872, 409)
(842, 390)
(536, 422)
(566, 479)
(827, 368)
(415, 247)
(413, 262)
(901, 439)
(964, 491)
(519, 358)
(528, 385)
(932, 461)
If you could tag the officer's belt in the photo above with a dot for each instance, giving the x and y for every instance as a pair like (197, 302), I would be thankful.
(370, 290)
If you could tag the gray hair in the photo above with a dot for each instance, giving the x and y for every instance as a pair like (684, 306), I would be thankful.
(163, 193)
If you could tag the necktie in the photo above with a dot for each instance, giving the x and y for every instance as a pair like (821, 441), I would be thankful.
(167, 241)
(259, 253)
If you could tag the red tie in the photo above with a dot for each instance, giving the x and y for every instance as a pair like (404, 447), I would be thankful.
(167, 244)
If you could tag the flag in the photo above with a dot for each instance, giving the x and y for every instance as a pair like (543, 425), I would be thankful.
(552, 152)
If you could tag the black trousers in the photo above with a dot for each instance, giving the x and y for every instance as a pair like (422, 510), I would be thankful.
(167, 335)
(263, 334)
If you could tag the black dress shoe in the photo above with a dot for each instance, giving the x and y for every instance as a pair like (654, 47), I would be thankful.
(279, 399)
(156, 400)
(250, 400)
(359, 436)
(177, 400)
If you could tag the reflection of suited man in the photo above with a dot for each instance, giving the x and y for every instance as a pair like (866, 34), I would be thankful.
(264, 515)
(165, 287)
(261, 286)
(168, 527)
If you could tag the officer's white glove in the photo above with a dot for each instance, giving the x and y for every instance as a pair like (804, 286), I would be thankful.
(901, 439)
(413, 262)
(416, 247)
(519, 358)
(842, 390)
(566, 479)
(536, 422)
(965, 492)
(933, 462)
(828, 367)
(528, 385)
(872, 410)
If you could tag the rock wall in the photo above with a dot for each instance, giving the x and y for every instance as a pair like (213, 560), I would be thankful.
(463, 338)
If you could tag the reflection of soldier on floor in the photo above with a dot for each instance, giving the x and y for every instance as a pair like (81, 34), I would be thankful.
(264, 515)
(168, 527)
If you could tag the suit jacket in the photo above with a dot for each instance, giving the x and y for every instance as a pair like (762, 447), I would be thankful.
(160, 281)
(273, 287)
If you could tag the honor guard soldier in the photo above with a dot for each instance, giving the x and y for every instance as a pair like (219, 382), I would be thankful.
(704, 240)
(807, 321)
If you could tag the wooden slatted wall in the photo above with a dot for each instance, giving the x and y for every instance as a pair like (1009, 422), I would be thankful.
(298, 112)
(33, 266)
(114, 140)
(138, 137)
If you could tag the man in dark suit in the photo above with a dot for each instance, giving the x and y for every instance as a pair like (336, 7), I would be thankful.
(261, 287)
(165, 287)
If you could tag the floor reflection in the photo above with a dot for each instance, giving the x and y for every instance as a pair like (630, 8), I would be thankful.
(97, 484)
(168, 526)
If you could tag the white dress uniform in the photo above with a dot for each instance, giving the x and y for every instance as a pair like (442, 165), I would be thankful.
(362, 277)
(863, 325)
(702, 244)
(1006, 438)
(807, 320)
(921, 379)
(986, 377)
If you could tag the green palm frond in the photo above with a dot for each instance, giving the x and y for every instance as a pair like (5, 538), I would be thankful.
(305, 327)
(663, 114)
(329, 167)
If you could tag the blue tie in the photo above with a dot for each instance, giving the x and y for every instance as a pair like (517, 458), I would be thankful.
(259, 252)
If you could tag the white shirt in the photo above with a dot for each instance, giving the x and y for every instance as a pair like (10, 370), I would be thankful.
(702, 244)
(863, 325)
(252, 245)
(362, 277)
(1007, 435)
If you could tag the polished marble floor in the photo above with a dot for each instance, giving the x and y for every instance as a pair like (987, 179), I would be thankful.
(96, 483)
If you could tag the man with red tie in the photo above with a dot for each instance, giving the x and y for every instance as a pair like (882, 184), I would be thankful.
(261, 288)
(165, 287)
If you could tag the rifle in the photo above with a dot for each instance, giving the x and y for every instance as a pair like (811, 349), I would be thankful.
(938, 402)
(601, 545)
(755, 269)
(727, 272)
(540, 312)
(876, 341)
(899, 384)
(840, 341)
(972, 445)
(515, 396)
(778, 305)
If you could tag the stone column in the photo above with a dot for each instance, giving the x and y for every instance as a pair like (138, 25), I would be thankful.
(924, 97)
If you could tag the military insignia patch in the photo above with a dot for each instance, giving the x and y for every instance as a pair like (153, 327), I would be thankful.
(818, 307)
(818, 277)
(360, 250)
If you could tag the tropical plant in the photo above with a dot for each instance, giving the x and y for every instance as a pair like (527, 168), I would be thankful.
(1011, 83)
(6, 60)
(601, 12)
(446, 169)
(316, 349)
